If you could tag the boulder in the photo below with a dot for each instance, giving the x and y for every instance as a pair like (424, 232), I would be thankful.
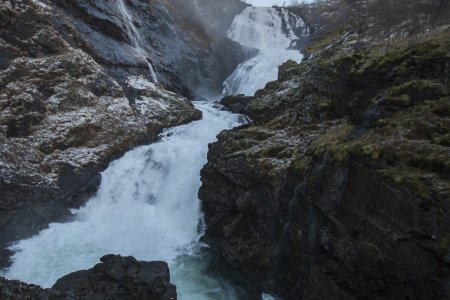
(116, 277)
(119, 277)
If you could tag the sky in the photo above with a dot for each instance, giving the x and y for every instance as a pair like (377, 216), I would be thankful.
(268, 2)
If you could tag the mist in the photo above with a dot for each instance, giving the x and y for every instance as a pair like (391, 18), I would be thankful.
(270, 2)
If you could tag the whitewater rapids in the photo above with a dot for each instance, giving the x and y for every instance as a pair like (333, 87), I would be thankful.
(146, 206)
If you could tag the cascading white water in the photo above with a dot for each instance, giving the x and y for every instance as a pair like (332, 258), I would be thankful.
(135, 37)
(146, 206)
(147, 203)
(271, 31)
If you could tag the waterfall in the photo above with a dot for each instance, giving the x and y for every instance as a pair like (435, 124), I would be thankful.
(272, 32)
(147, 204)
(135, 37)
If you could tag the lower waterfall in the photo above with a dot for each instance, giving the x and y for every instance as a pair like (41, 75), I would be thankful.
(147, 204)
(147, 207)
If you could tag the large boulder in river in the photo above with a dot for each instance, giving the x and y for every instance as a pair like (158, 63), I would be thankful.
(115, 278)
(122, 278)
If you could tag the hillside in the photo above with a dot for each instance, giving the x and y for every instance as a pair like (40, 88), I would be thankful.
(339, 188)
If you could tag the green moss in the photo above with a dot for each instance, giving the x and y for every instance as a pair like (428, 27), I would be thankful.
(274, 151)
(270, 172)
(324, 41)
(426, 89)
(323, 103)
(444, 244)
(397, 178)
(334, 142)
(443, 140)
(371, 150)
(442, 107)
(381, 61)
(301, 164)
(258, 134)
(403, 100)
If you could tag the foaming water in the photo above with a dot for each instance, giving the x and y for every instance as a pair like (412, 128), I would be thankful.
(271, 31)
(253, 74)
(146, 206)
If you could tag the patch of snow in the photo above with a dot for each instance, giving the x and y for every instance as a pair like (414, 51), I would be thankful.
(41, 4)
(147, 105)
(118, 106)
(140, 83)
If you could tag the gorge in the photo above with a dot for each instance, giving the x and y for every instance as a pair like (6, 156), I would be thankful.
(146, 205)
(209, 149)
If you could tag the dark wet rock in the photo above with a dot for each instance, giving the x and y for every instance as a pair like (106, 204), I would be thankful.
(237, 104)
(340, 187)
(16, 290)
(186, 52)
(119, 277)
(116, 277)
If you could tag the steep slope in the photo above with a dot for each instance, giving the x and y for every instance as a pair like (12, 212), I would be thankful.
(340, 187)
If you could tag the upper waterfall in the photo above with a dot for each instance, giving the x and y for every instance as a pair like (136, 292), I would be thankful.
(135, 37)
(263, 28)
(274, 32)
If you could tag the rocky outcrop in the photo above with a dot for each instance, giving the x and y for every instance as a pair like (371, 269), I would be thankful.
(119, 277)
(16, 290)
(237, 104)
(340, 188)
(115, 277)
(63, 119)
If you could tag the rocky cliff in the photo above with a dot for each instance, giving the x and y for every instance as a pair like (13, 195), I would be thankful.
(340, 187)
(115, 277)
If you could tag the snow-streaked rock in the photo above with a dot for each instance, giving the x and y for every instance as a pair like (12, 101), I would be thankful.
(63, 118)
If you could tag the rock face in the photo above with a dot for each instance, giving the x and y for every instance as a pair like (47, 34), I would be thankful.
(115, 277)
(218, 15)
(63, 119)
(340, 188)
(188, 57)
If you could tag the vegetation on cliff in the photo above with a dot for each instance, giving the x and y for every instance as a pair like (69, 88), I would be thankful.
(340, 189)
